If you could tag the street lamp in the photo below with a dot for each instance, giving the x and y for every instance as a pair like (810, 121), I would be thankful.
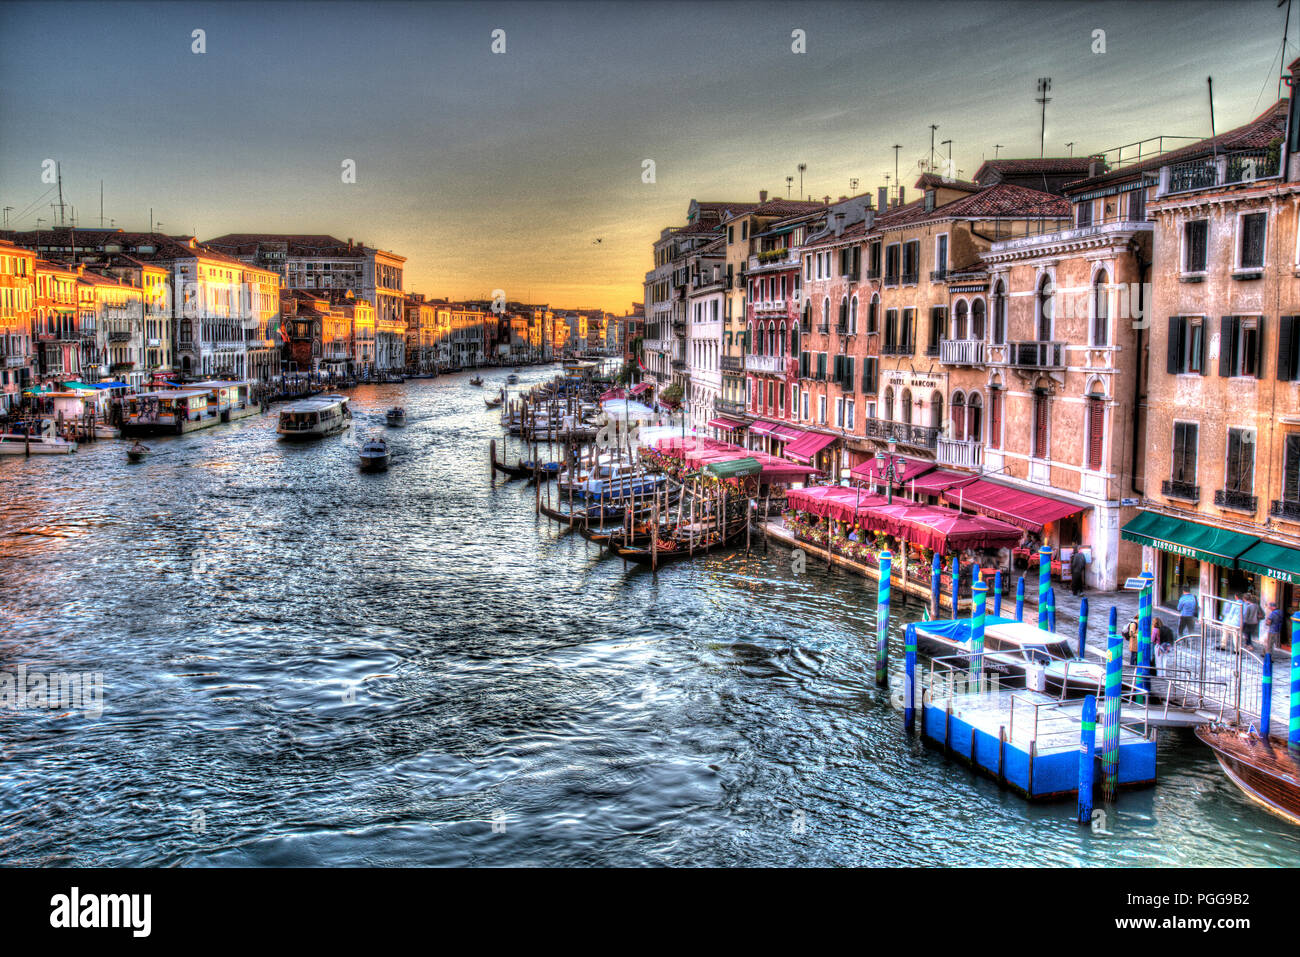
(891, 467)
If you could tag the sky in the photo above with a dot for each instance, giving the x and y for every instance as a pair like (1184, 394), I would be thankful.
(523, 170)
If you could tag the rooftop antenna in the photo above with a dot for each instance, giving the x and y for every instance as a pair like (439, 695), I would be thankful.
(101, 204)
(896, 147)
(58, 168)
(1044, 85)
(997, 148)
(948, 143)
(1070, 146)
(789, 185)
(933, 127)
(802, 167)
(1213, 144)
(1286, 28)
(853, 185)
(7, 210)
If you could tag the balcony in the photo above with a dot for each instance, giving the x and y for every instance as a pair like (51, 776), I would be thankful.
(938, 275)
(1288, 511)
(911, 278)
(963, 453)
(913, 436)
(823, 328)
(1213, 172)
(15, 361)
(119, 337)
(733, 364)
(1036, 355)
(1239, 501)
(728, 406)
(873, 274)
(767, 365)
(679, 365)
(842, 329)
(897, 349)
(961, 352)
(1181, 490)
(891, 279)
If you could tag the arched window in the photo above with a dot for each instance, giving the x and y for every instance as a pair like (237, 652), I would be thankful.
(780, 342)
(936, 410)
(1101, 309)
(853, 315)
(753, 346)
(794, 339)
(826, 311)
(844, 313)
(771, 338)
(974, 418)
(873, 314)
(977, 319)
(999, 314)
(959, 320)
(958, 416)
(1044, 309)
(889, 404)
(907, 407)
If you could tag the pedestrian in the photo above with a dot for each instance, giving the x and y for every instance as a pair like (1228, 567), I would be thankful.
(1186, 612)
(1130, 634)
(1077, 566)
(1272, 627)
(1250, 616)
(1231, 620)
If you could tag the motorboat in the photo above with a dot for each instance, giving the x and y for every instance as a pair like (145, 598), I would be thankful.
(138, 452)
(477, 380)
(512, 378)
(18, 444)
(375, 455)
(396, 415)
(315, 418)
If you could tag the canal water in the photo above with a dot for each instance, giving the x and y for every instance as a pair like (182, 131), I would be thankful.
(307, 665)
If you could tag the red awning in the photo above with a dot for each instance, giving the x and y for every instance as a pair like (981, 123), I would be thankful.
(805, 448)
(761, 427)
(725, 423)
(788, 433)
(932, 483)
(641, 388)
(1024, 509)
(834, 501)
(912, 468)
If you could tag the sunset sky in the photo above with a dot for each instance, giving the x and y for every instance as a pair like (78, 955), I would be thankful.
(502, 170)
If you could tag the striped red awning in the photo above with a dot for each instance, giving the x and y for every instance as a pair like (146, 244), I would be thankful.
(1024, 509)
(805, 448)
(721, 422)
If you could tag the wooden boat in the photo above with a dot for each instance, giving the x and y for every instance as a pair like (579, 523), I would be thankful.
(513, 471)
(494, 403)
(1264, 769)
(375, 455)
(583, 515)
(546, 471)
(677, 548)
(138, 452)
(477, 380)
(396, 415)
(512, 378)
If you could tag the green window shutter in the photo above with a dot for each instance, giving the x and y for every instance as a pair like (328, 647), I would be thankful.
(1227, 345)
(1285, 346)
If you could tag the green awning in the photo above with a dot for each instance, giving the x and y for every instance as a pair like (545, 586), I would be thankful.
(1273, 561)
(735, 468)
(1219, 546)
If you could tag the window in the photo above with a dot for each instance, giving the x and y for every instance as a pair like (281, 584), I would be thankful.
(1240, 341)
(907, 334)
(804, 395)
(1253, 226)
(1239, 475)
(907, 407)
(794, 401)
(959, 320)
(821, 409)
(873, 315)
(839, 413)
(911, 260)
(938, 319)
(874, 259)
(958, 416)
(891, 264)
(1041, 415)
(869, 367)
(849, 418)
(821, 366)
(1044, 309)
(941, 253)
(1137, 205)
(1185, 437)
(889, 404)
(1101, 309)
(999, 314)
(995, 419)
(1186, 347)
(1288, 348)
(1096, 425)
(853, 316)
(1291, 469)
(744, 229)
(1083, 213)
(891, 328)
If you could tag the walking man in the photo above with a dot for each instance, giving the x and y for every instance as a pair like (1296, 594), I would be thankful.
(1077, 566)
(1273, 627)
(1186, 612)
(1250, 615)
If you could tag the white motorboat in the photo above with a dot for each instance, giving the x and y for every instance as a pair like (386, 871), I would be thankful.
(315, 418)
(15, 444)
(375, 455)
(396, 415)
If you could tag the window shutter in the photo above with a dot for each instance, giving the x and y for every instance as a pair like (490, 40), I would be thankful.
(1174, 360)
(995, 420)
(1259, 347)
(1285, 364)
(1096, 416)
(1040, 426)
(1205, 349)
(1227, 345)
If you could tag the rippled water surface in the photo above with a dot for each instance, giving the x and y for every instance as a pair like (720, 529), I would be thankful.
(305, 664)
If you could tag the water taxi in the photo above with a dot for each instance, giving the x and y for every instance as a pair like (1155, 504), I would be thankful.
(18, 444)
(170, 411)
(375, 455)
(315, 418)
(396, 415)
(231, 399)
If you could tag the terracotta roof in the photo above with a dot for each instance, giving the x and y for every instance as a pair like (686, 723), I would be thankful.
(935, 181)
(298, 243)
(1044, 164)
(1001, 200)
(1257, 134)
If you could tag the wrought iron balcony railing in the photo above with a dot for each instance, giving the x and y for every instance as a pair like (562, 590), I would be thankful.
(1281, 508)
(1231, 498)
(1184, 490)
(897, 349)
(915, 436)
(731, 363)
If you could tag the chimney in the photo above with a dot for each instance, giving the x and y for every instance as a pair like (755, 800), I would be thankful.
(826, 200)
(1092, 167)
(882, 197)
(839, 223)
(901, 200)
(762, 196)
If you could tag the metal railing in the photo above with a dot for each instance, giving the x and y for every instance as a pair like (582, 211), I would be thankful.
(1230, 498)
(1281, 508)
(961, 352)
(964, 453)
(1036, 355)
(1225, 169)
(1184, 490)
(916, 436)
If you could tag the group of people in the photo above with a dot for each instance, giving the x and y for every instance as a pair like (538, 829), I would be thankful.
(1243, 611)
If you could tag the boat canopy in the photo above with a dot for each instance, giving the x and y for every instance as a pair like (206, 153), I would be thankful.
(958, 629)
(735, 468)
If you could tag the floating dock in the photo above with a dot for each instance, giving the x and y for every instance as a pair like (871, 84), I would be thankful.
(1028, 741)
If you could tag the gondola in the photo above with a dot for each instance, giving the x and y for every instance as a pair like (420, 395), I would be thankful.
(477, 380)
(676, 549)
(494, 403)
(584, 515)
(546, 471)
(1263, 769)
(513, 471)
